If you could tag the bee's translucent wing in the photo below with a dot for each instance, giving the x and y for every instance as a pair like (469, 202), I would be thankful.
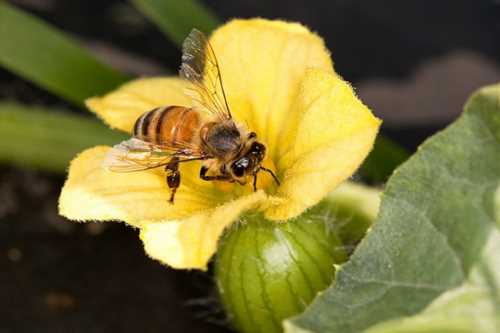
(135, 155)
(200, 67)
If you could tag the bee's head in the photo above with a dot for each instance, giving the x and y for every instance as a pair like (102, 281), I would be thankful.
(249, 163)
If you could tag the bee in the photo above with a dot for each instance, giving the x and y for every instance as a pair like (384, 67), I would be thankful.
(170, 135)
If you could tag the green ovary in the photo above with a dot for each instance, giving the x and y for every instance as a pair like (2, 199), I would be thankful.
(267, 272)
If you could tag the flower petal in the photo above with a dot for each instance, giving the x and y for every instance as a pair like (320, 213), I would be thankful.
(121, 108)
(262, 63)
(335, 134)
(138, 198)
(191, 242)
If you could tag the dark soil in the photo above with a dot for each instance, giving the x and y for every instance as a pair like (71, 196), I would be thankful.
(59, 276)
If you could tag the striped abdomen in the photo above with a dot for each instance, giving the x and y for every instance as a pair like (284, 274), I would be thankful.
(167, 125)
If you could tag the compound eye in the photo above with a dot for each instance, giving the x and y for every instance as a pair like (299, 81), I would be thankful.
(258, 150)
(240, 166)
(257, 147)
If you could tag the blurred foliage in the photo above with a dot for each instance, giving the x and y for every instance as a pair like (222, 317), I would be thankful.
(177, 18)
(40, 53)
(385, 157)
(45, 139)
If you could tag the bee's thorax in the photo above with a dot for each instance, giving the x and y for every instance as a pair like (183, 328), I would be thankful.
(221, 139)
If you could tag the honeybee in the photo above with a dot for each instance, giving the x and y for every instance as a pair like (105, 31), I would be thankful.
(170, 135)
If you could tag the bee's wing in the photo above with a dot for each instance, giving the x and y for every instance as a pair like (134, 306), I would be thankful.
(200, 67)
(136, 155)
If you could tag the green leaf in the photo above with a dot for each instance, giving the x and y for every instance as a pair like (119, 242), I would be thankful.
(436, 216)
(385, 157)
(471, 308)
(177, 18)
(40, 138)
(40, 53)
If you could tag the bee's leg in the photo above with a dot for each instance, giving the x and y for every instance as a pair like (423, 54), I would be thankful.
(272, 174)
(203, 175)
(173, 176)
(203, 172)
(255, 182)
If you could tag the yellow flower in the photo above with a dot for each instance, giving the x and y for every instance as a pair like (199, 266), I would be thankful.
(280, 82)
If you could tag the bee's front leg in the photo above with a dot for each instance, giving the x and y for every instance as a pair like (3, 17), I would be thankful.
(203, 175)
(173, 176)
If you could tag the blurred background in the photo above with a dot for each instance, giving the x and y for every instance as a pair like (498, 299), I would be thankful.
(414, 63)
